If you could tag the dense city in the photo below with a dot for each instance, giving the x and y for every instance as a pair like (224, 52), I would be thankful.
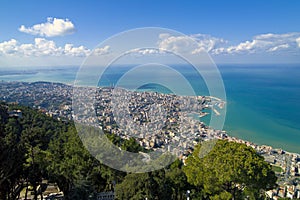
(155, 120)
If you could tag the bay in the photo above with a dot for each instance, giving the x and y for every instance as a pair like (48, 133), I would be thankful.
(263, 101)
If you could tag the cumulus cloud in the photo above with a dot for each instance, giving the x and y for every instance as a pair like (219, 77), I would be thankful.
(8, 47)
(248, 46)
(272, 36)
(101, 51)
(264, 43)
(146, 51)
(177, 44)
(298, 41)
(43, 47)
(194, 44)
(80, 51)
(53, 27)
(282, 46)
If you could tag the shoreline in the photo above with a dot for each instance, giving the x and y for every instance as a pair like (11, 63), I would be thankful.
(203, 114)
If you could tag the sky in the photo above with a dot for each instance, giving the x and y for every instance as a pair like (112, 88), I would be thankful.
(43, 33)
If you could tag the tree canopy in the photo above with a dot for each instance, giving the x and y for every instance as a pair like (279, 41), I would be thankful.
(164, 184)
(35, 147)
(230, 171)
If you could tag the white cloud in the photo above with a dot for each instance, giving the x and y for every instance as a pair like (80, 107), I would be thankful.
(248, 46)
(189, 44)
(282, 46)
(146, 51)
(40, 47)
(265, 46)
(298, 41)
(177, 44)
(272, 36)
(80, 51)
(8, 47)
(43, 47)
(53, 27)
(102, 51)
(264, 43)
(207, 43)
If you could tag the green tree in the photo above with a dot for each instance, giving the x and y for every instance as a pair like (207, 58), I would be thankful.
(71, 166)
(165, 184)
(25, 154)
(131, 145)
(136, 187)
(177, 180)
(229, 171)
(12, 155)
(33, 166)
(37, 131)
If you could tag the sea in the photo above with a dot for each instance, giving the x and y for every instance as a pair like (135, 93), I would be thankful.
(263, 101)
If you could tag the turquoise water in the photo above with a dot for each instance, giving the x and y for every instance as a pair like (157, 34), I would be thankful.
(263, 102)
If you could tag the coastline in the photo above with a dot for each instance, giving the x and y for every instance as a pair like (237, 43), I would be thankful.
(179, 140)
(203, 114)
(263, 107)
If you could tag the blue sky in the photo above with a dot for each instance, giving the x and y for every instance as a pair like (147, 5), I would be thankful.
(238, 31)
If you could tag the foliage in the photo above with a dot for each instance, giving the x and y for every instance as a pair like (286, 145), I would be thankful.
(24, 141)
(75, 171)
(277, 169)
(230, 170)
(36, 147)
(168, 183)
(12, 155)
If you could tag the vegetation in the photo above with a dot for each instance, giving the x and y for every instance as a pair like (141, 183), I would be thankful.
(168, 183)
(230, 171)
(277, 169)
(35, 147)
